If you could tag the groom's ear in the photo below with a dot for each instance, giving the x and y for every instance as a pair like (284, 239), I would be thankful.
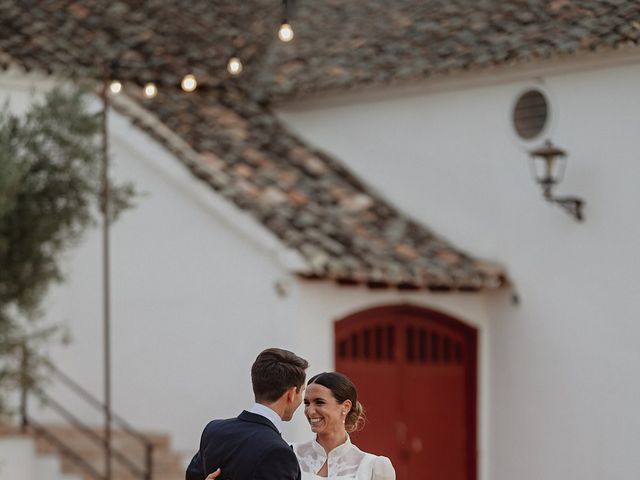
(292, 393)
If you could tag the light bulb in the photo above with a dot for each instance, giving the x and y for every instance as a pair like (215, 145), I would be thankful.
(189, 83)
(286, 32)
(150, 90)
(234, 67)
(115, 87)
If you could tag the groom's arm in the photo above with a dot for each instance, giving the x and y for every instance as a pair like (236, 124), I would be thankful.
(278, 463)
(194, 470)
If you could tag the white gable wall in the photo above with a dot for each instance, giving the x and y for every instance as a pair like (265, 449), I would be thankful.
(198, 304)
(563, 395)
(193, 282)
(193, 297)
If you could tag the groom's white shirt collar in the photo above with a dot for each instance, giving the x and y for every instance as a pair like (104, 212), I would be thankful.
(267, 413)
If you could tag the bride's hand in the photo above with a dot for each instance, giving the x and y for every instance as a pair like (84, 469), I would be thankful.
(213, 475)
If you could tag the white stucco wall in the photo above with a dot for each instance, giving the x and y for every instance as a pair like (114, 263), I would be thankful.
(17, 459)
(193, 300)
(193, 297)
(563, 396)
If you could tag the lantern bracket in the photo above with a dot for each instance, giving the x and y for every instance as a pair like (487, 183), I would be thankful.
(548, 165)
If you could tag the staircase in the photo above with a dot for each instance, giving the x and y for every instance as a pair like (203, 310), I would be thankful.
(30, 456)
(73, 448)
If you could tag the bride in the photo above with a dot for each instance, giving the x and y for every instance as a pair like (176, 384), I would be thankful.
(333, 411)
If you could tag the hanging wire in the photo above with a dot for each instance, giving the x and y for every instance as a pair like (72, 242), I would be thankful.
(235, 66)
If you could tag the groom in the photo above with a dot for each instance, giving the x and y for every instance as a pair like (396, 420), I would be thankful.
(250, 446)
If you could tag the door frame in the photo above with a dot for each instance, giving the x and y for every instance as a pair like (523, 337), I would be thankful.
(471, 334)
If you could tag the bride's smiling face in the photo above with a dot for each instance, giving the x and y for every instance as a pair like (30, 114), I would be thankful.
(324, 413)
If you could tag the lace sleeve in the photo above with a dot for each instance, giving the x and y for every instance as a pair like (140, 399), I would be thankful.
(383, 470)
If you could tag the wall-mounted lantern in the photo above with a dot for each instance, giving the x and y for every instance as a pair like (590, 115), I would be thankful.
(548, 164)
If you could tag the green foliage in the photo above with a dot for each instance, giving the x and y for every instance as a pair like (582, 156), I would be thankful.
(50, 185)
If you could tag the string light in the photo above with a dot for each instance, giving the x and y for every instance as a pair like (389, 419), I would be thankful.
(150, 90)
(234, 67)
(115, 87)
(286, 32)
(189, 83)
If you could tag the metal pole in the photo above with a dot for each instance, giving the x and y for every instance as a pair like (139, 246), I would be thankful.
(149, 458)
(106, 212)
(24, 387)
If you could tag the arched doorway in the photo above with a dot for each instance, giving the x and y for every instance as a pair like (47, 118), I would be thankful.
(416, 373)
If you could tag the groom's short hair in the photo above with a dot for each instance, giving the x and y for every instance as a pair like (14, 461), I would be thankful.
(274, 372)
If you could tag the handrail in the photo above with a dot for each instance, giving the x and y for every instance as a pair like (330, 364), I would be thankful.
(95, 438)
(81, 462)
(144, 473)
(81, 391)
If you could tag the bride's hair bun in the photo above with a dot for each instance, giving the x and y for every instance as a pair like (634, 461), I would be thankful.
(343, 389)
(355, 419)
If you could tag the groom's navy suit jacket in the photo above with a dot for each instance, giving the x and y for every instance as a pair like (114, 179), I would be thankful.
(248, 447)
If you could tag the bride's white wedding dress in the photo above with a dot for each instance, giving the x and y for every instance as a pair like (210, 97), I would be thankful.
(345, 462)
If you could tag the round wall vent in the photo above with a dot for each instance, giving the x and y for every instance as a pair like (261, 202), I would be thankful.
(530, 114)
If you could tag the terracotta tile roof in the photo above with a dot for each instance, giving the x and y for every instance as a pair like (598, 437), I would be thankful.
(151, 40)
(347, 44)
(232, 141)
(306, 198)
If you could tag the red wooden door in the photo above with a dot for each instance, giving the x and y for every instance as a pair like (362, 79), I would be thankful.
(415, 370)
